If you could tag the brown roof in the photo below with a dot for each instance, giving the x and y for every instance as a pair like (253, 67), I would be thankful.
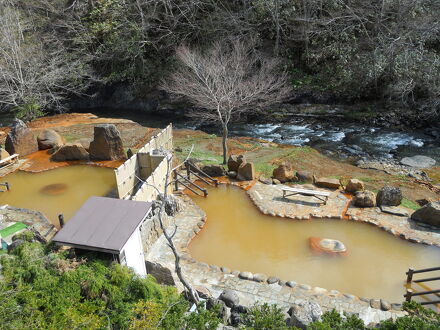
(103, 223)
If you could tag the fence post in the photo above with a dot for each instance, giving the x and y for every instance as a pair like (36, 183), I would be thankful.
(176, 183)
(408, 295)
(61, 219)
(409, 275)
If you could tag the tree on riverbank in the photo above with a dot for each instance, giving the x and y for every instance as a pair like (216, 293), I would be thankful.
(226, 81)
(36, 69)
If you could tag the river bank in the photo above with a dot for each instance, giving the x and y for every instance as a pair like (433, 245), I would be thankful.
(265, 154)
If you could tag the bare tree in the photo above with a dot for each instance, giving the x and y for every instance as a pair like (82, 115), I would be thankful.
(165, 200)
(227, 80)
(35, 69)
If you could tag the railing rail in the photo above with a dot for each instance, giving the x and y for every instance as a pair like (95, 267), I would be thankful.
(6, 185)
(412, 293)
(202, 176)
(188, 183)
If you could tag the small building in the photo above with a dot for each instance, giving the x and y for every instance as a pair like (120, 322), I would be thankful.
(109, 225)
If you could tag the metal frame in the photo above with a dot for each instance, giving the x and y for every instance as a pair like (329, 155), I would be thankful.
(293, 193)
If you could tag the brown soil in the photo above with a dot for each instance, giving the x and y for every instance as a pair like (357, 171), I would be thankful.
(264, 154)
(40, 161)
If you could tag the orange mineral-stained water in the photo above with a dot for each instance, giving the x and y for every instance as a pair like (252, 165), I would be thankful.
(236, 235)
(61, 190)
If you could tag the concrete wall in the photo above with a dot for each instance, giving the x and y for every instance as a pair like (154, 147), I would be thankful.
(142, 164)
(146, 192)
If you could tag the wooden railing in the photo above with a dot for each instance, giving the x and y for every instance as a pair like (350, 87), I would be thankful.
(410, 292)
(6, 185)
(186, 181)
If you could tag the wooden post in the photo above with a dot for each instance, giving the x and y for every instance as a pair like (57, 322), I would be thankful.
(409, 274)
(188, 170)
(61, 219)
(176, 183)
(408, 295)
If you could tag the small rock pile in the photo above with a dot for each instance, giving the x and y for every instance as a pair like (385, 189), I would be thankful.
(232, 313)
(240, 169)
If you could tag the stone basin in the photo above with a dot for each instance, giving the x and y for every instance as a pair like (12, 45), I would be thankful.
(327, 245)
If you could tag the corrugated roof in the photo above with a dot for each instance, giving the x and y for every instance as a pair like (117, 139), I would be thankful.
(103, 223)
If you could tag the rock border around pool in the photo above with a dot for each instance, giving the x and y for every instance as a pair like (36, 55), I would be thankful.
(258, 287)
(264, 197)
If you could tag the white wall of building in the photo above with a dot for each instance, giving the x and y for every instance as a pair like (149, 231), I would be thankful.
(134, 253)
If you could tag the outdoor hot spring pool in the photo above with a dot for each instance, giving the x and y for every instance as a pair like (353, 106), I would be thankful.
(236, 235)
(62, 190)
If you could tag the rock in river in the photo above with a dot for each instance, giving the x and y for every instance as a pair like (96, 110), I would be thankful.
(418, 161)
(429, 214)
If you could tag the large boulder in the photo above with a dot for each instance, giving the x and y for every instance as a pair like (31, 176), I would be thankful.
(328, 183)
(229, 297)
(390, 196)
(214, 170)
(20, 139)
(354, 185)
(304, 176)
(107, 143)
(235, 161)
(364, 199)
(429, 214)
(246, 172)
(304, 313)
(69, 152)
(3, 154)
(418, 161)
(49, 139)
(284, 173)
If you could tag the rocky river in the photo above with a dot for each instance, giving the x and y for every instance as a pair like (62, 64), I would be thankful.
(333, 136)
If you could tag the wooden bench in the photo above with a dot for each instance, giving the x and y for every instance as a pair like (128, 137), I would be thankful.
(321, 195)
(8, 160)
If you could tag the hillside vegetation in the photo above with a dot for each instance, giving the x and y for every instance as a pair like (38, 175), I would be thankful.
(386, 51)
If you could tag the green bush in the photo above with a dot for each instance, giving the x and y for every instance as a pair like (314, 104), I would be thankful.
(265, 317)
(334, 320)
(43, 289)
(29, 111)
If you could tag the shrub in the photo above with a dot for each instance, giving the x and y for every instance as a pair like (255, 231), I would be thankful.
(265, 317)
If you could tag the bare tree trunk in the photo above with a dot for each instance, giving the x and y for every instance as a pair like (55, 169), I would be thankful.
(193, 296)
(225, 144)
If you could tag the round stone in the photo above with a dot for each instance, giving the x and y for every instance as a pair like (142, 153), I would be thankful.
(332, 245)
(259, 277)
